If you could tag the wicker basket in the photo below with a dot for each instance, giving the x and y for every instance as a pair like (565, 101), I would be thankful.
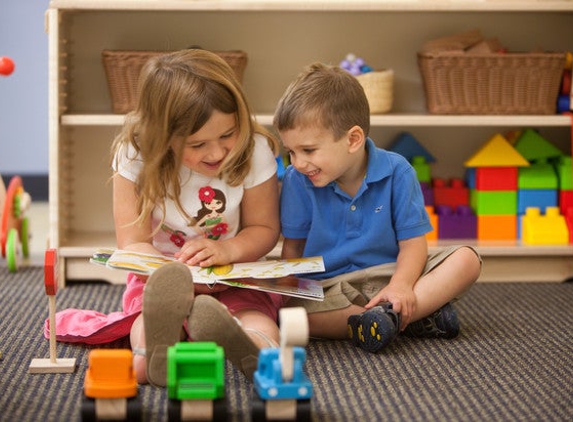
(378, 86)
(513, 83)
(122, 69)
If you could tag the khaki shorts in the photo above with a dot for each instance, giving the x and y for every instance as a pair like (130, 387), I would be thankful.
(358, 287)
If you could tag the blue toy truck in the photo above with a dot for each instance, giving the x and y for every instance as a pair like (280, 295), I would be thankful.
(282, 389)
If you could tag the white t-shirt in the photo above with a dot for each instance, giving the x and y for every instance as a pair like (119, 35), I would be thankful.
(222, 220)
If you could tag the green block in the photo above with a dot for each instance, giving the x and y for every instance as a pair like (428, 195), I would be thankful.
(564, 169)
(539, 175)
(493, 202)
(422, 168)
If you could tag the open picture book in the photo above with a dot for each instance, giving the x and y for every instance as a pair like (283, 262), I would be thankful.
(280, 276)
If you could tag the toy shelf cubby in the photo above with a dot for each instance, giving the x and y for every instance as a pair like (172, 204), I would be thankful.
(280, 38)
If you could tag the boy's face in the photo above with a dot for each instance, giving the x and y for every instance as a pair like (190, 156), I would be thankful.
(315, 153)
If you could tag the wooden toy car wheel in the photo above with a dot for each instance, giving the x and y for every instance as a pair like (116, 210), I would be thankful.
(12, 250)
(259, 410)
(25, 237)
(220, 410)
(134, 410)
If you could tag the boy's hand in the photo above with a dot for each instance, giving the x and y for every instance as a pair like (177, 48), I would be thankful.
(403, 302)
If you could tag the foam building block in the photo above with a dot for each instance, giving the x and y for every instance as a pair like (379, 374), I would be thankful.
(422, 168)
(541, 198)
(497, 152)
(434, 221)
(532, 146)
(470, 177)
(408, 146)
(494, 202)
(427, 193)
(539, 175)
(456, 223)
(565, 201)
(496, 178)
(548, 229)
(569, 222)
(564, 169)
(497, 227)
(452, 193)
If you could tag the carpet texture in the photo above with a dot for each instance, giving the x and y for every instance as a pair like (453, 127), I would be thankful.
(513, 361)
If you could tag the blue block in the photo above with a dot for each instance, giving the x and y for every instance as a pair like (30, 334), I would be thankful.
(540, 198)
(470, 177)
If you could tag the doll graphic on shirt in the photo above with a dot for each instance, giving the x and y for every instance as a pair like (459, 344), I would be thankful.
(210, 220)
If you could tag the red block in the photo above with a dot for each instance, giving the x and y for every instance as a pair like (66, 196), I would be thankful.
(496, 178)
(565, 201)
(569, 222)
(453, 194)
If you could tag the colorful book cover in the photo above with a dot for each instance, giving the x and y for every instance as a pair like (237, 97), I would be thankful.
(276, 276)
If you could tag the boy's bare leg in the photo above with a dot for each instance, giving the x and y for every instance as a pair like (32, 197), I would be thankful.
(447, 281)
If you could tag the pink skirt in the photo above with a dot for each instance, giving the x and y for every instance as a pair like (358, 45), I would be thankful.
(92, 327)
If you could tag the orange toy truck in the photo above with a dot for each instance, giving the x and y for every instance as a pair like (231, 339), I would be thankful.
(110, 387)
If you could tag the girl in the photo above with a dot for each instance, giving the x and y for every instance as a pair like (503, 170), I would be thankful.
(191, 136)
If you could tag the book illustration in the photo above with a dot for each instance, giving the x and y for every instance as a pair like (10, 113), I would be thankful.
(276, 276)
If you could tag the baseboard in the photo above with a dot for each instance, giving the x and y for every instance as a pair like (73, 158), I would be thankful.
(35, 184)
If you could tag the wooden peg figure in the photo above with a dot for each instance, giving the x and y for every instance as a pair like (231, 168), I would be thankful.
(52, 365)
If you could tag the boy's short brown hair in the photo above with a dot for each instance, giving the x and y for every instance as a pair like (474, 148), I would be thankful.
(324, 95)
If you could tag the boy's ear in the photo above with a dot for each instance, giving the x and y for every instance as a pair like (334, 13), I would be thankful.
(356, 139)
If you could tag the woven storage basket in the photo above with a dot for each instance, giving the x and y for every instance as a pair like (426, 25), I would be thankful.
(122, 69)
(513, 83)
(378, 86)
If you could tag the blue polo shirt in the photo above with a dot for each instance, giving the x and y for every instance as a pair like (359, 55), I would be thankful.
(359, 232)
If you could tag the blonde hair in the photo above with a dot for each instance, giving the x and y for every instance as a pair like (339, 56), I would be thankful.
(178, 93)
(323, 95)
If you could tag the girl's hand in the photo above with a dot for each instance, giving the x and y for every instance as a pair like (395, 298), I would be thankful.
(204, 253)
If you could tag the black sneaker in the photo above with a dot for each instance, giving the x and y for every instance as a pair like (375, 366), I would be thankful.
(374, 329)
(443, 323)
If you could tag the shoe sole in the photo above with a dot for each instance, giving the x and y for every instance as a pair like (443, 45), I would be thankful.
(210, 320)
(372, 330)
(165, 308)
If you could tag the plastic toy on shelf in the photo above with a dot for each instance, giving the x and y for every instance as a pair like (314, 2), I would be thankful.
(14, 225)
(196, 382)
(110, 387)
(6, 66)
(282, 389)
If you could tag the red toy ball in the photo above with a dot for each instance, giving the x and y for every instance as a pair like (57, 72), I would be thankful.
(6, 65)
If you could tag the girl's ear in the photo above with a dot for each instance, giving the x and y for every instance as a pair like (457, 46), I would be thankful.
(356, 139)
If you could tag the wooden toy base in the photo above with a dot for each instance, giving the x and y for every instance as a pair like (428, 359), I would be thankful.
(46, 366)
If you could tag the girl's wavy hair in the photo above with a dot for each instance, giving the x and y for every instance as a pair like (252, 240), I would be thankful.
(178, 93)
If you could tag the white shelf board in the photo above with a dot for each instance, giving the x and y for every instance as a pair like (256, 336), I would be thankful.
(319, 5)
(391, 119)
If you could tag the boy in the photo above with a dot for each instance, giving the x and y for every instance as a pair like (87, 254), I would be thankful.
(361, 208)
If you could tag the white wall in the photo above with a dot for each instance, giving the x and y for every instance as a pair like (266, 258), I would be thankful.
(24, 94)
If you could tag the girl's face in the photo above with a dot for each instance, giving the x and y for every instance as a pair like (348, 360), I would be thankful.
(205, 150)
(315, 153)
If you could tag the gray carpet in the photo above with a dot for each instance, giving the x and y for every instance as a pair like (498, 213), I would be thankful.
(513, 361)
